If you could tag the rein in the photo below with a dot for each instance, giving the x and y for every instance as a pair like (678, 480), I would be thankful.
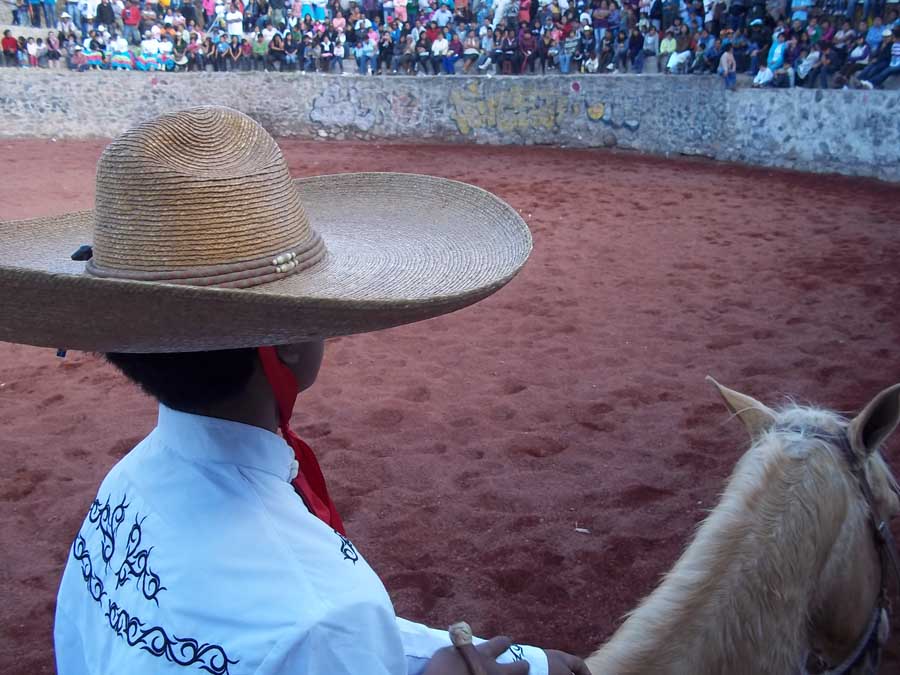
(868, 647)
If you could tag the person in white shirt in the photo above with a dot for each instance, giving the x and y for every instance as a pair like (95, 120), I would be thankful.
(234, 20)
(119, 44)
(89, 12)
(149, 45)
(439, 49)
(213, 546)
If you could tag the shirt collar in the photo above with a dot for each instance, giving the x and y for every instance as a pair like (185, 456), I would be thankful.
(210, 440)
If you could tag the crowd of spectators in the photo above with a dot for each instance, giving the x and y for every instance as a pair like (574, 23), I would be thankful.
(780, 43)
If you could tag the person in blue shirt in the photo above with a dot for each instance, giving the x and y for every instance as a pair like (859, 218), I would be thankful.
(776, 53)
(874, 36)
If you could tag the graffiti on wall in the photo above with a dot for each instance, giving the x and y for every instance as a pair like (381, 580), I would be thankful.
(508, 109)
(478, 107)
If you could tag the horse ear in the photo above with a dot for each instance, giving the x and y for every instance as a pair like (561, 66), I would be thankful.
(876, 422)
(756, 416)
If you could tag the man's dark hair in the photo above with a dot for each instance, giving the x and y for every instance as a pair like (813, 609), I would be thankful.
(189, 380)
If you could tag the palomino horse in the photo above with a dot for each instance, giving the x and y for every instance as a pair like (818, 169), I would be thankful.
(787, 569)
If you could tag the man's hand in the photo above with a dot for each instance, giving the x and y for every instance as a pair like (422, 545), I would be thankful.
(448, 661)
(565, 664)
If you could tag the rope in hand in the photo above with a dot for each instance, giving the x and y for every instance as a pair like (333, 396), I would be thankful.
(461, 637)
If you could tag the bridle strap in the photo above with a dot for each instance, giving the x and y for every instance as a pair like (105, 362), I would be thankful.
(889, 559)
(887, 547)
(861, 649)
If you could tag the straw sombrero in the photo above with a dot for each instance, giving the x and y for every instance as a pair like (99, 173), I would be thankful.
(201, 240)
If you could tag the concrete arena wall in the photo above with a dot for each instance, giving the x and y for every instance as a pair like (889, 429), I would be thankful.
(850, 132)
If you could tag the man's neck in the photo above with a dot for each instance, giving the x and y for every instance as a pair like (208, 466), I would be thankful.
(255, 405)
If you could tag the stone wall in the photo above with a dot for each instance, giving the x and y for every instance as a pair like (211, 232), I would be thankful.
(852, 132)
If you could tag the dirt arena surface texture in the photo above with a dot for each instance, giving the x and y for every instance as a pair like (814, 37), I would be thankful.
(464, 451)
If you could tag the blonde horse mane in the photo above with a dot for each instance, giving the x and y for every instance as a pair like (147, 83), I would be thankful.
(738, 600)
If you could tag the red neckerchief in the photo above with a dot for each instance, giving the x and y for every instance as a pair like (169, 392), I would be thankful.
(309, 483)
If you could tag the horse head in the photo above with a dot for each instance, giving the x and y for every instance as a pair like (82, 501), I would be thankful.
(847, 620)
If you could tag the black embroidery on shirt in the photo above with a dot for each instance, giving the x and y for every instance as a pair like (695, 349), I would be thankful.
(518, 654)
(156, 641)
(347, 548)
(83, 556)
(107, 520)
(136, 565)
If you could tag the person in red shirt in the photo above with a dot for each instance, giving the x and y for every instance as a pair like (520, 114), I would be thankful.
(432, 32)
(10, 50)
(131, 18)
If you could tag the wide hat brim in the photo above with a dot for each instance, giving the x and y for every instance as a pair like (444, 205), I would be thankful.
(400, 248)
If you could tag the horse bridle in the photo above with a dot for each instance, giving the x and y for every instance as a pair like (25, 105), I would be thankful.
(868, 647)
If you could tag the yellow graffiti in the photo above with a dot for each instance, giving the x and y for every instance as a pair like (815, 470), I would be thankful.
(507, 111)
(596, 111)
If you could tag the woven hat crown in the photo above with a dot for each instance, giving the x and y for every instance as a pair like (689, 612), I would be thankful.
(200, 197)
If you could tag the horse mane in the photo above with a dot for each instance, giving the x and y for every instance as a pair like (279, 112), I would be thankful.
(738, 598)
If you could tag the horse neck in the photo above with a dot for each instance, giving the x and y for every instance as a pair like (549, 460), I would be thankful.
(738, 598)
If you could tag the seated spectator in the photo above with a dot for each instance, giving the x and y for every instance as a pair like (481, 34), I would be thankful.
(179, 53)
(510, 46)
(607, 53)
(764, 77)
(276, 53)
(711, 57)
(423, 54)
(385, 52)
(681, 57)
(79, 61)
(291, 52)
(568, 47)
(406, 59)
(10, 50)
(471, 51)
(166, 51)
(880, 72)
(620, 53)
(439, 49)
(365, 54)
(666, 49)
(636, 49)
(233, 55)
(454, 53)
(777, 53)
(209, 53)
(696, 62)
(311, 54)
(31, 50)
(260, 50)
(843, 41)
(874, 35)
(829, 65)
(196, 55)
(121, 58)
(548, 51)
(856, 60)
(806, 69)
(246, 55)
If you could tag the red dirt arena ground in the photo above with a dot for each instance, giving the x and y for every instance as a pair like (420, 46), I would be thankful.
(464, 451)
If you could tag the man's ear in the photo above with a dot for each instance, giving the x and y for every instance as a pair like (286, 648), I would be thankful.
(756, 416)
(876, 422)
